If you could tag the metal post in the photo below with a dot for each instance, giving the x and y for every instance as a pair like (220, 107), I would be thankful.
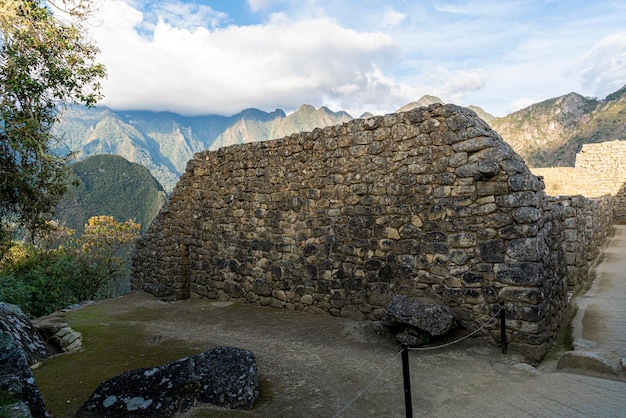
(503, 327)
(407, 381)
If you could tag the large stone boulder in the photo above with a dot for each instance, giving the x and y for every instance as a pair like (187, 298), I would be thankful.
(16, 379)
(227, 377)
(15, 322)
(416, 319)
(223, 376)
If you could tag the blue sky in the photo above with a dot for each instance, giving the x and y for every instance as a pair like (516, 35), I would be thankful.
(223, 56)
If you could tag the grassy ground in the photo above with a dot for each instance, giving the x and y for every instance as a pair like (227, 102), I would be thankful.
(114, 343)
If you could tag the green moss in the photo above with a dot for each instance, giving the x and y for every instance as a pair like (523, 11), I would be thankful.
(112, 344)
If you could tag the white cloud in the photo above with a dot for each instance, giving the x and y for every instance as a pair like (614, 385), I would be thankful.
(366, 55)
(458, 84)
(604, 66)
(257, 5)
(523, 102)
(193, 69)
(393, 18)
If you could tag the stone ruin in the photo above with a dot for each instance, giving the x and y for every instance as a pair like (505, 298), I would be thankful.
(429, 203)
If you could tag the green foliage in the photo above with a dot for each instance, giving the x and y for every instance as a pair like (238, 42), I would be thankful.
(42, 282)
(617, 94)
(44, 62)
(64, 270)
(104, 249)
(109, 184)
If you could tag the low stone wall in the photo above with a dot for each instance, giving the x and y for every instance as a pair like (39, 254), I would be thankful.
(600, 170)
(428, 203)
(580, 227)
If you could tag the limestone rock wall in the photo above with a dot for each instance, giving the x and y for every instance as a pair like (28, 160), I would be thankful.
(600, 170)
(428, 203)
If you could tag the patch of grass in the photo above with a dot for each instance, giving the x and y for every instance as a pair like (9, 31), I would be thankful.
(112, 345)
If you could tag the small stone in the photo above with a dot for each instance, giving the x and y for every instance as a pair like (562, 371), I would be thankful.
(527, 368)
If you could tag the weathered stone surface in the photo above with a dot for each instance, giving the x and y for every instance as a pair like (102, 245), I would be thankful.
(584, 345)
(16, 410)
(402, 311)
(157, 290)
(223, 376)
(588, 360)
(227, 377)
(16, 378)
(60, 336)
(526, 368)
(16, 323)
(406, 203)
(600, 170)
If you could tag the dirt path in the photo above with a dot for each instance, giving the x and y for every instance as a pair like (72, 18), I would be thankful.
(315, 365)
(602, 310)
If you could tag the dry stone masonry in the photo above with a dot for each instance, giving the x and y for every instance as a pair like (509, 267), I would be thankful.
(430, 203)
(600, 170)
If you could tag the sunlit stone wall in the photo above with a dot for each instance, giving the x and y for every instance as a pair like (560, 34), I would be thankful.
(429, 203)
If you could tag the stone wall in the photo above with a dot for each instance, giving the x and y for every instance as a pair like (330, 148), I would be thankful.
(428, 203)
(579, 227)
(600, 170)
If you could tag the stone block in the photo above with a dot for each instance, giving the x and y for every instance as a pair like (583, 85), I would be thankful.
(588, 360)
(524, 274)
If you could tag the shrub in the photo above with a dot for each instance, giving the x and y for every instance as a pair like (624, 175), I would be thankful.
(62, 270)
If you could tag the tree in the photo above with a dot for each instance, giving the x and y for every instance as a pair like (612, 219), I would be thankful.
(105, 247)
(65, 268)
(45, 62)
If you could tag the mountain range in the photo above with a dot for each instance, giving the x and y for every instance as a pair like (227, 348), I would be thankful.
(545, 134)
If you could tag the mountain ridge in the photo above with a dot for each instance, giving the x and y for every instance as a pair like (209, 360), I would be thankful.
(551, 132)
(547, 133)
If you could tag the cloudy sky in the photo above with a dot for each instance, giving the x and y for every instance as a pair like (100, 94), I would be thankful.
(223, 56)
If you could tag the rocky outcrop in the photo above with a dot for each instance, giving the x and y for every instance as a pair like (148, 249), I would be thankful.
(16, 379)
(16, 323)
(417, 321)
(224, 376)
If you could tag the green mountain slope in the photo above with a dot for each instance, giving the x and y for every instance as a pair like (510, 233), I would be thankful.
(164, 142)
(550, 133)
(111, 185)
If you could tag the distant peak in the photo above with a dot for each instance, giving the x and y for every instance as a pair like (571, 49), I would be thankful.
(426, 100)
(306, 108)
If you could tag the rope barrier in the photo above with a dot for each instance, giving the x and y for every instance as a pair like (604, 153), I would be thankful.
(358, 395)
(460, 339)
(362, 391)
